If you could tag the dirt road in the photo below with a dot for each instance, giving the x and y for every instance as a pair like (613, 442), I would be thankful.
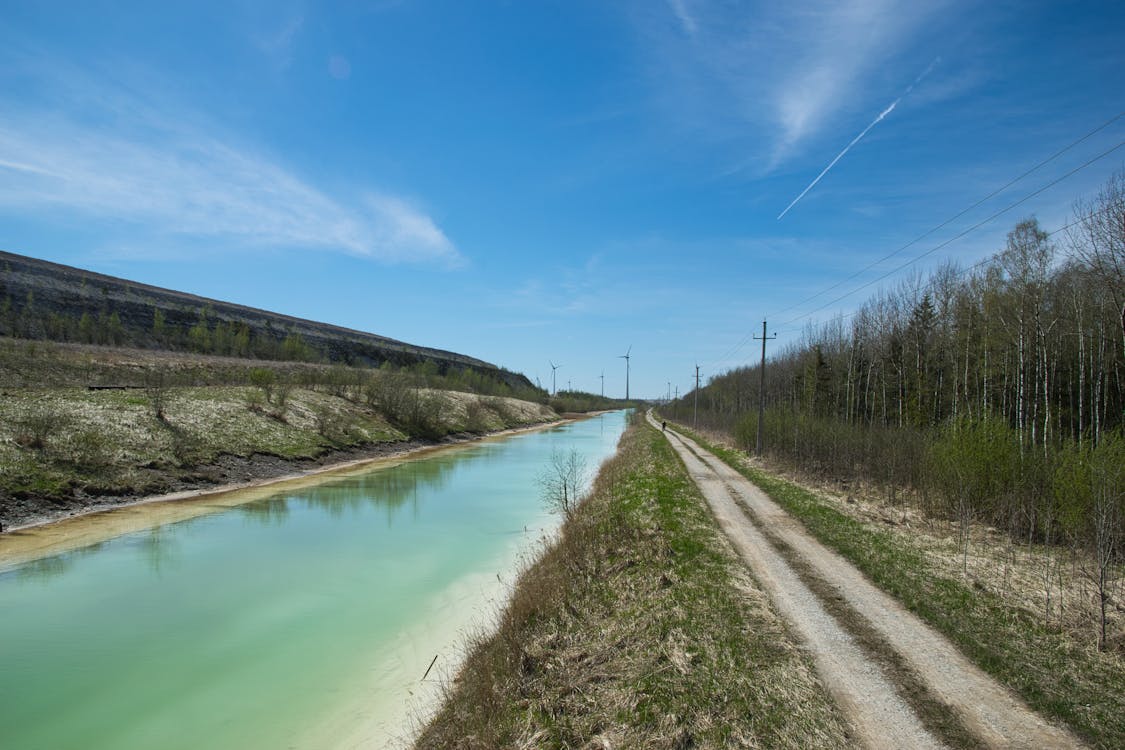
(929, 696)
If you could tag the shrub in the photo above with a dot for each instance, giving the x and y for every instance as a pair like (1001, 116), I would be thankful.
(476, 417)
(561, 482)
(264, 379)
(156, 389)
(88, 450)
(37, 425)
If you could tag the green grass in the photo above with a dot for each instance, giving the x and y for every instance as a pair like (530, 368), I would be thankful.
(1057, 676)
(639, 628)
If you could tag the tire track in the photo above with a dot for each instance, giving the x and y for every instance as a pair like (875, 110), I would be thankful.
(882, 718)
(879, 716)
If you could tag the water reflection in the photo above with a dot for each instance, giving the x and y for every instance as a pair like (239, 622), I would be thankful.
(270, 511)
(45, 568)
(332, 615)
(158, 547)
(387, 489)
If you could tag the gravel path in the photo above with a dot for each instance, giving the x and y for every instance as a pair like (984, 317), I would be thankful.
(881, 717)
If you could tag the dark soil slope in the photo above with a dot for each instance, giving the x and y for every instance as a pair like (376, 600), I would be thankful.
(42, 300)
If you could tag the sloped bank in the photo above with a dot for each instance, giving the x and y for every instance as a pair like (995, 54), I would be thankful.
(639, 627)
(69, 451)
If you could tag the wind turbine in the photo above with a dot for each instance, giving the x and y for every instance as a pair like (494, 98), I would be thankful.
(625, 357)
(603, 383)
(553, 368)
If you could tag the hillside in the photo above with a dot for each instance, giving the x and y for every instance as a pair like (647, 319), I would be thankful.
(85, 427)
(42, 300)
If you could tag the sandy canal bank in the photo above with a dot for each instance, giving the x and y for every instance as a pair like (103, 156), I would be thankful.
(383, 699)
(99, 523)
(400, 692)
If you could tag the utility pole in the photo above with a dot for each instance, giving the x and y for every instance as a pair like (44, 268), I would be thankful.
(762, 388)
(603, 383)
(668, 395)
(695, 413)
(676, 404)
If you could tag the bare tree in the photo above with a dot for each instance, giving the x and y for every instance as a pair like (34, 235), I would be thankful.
(1099, 239)
(156, 389)
(561, 482)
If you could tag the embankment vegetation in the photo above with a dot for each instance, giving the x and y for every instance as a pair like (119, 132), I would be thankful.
(990, 604)
(638, 627)
(993, 398)
(82, 426)
(581, 402)
(967, 432)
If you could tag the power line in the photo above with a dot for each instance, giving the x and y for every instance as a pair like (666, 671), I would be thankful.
(979, 264)
(743, 341)
(958, 236)
(762, 389)
(958, 215)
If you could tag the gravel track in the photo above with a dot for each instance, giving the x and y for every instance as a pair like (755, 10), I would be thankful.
(881, 718)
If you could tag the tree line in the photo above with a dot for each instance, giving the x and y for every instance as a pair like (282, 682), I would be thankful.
(211, 335)
(28, 320)
(992, 394)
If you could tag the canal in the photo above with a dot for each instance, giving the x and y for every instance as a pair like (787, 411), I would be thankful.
(303, 618)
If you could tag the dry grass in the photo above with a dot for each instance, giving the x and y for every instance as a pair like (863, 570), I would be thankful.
(638, 628)
(129, 445)
(1051, 583)
(469, 412)
(996, 612)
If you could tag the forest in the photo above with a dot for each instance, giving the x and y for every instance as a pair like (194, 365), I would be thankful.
(991, 394)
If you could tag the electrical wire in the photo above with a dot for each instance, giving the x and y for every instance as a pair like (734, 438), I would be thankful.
(968, 269)
(958, 215)
(734, 349)
(743, 341)
(961, 234)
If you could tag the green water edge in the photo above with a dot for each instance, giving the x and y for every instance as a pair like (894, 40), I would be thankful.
(304, 619)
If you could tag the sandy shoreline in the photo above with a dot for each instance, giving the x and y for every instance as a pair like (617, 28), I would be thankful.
(103, 522)
(389, 704)
(395, 703)
(389, 701)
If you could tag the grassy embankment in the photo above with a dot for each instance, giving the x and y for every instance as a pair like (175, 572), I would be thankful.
(639, 627)
(990, 614)
(187, 420)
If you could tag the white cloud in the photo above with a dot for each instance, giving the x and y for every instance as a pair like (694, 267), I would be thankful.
(277, 42)
(684, 16)
(167, 173)
(784, 71)
(403, 230)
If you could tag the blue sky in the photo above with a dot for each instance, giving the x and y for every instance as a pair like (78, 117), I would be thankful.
(534, 181)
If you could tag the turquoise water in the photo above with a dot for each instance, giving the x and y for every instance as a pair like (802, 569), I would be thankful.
(291, 621)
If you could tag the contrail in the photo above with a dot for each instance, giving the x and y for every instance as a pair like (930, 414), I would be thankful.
(840, 155)
(856, 140)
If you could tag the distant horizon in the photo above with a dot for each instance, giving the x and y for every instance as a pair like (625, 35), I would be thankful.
(526, 184)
